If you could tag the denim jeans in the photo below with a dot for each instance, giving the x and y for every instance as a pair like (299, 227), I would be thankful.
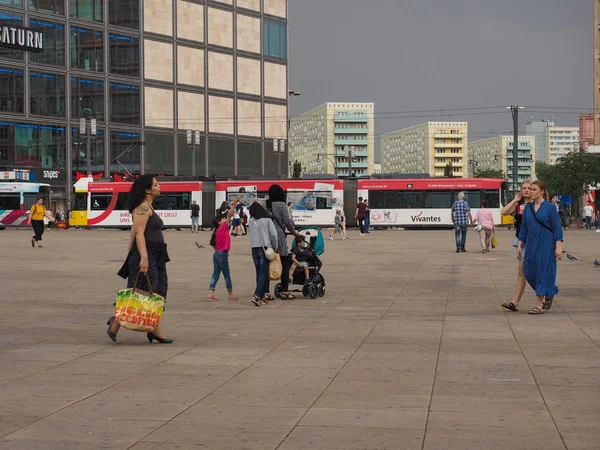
(588, 223)
(261, 264)
(361, 224)
(221, 264)
(367, 223)
(461, 235)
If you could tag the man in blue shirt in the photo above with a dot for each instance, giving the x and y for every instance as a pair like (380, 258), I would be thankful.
(462, 219)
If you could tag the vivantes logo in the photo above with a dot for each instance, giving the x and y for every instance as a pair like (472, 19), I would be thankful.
(420, 218)
(51, 174)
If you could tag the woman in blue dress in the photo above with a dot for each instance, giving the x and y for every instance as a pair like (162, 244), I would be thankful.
(541, 231)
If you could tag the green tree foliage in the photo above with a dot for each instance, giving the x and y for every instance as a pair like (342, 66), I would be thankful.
(448, 171)
(297, 170)
(490, 173)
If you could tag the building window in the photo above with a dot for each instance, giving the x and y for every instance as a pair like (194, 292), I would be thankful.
(249, 158)
(124, 141)
(16, 3)
(87, 9)
(79, 143)
(25, 145)
(54, 43)
(159, 154)
(53, 6)
(184, 157)
(87, 49)
(87, 98)
(124, 13)
(47, 96)
(10, 20)
(221, 157)
(275, 39)
(12, 90)
(124, 55)
(125, 103)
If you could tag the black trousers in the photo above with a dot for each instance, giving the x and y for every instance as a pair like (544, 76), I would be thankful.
(38, 229)
(285, 273)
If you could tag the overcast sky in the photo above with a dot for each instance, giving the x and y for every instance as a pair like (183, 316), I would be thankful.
(414, 55)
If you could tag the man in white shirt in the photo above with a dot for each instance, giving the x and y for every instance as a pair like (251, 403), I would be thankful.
(588, 212)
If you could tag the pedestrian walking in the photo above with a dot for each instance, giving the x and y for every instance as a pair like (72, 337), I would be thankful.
(337, 228)
(367, 216)
(542, 233)
(361, 213)
(147, 250)
(279, 212)
(462, 218)
(236, 221)
(263, 235)
(516, 207)
(195, 216)
(485, 219)
(221, 242)
(245, 218)
(37, 213)
(588, 212)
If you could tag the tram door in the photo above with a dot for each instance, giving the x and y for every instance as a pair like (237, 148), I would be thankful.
(209, 197)
(350, 201)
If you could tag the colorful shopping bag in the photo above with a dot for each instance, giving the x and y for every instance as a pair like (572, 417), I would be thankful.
(494, 242)
(138, 310)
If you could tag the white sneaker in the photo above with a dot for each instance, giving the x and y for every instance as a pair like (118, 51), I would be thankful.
(598, 230)
(331, 237)
(362, 234)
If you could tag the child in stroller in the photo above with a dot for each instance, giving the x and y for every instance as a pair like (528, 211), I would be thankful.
(305, 267)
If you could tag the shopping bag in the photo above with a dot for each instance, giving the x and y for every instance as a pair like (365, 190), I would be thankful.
(275, 268)
(494, 242)
(138, 310)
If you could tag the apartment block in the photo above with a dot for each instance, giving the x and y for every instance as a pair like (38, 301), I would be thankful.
(334, 138)
(426, 148)
(497, 153)
(552, 142)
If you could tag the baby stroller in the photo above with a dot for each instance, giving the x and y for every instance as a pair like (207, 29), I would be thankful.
(315, 285)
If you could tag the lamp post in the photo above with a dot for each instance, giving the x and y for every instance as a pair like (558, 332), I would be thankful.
(291, 93)
(473, 164)
(515, 183)
(328, 157)
(193, 145)
(515, 168)
(89, 132)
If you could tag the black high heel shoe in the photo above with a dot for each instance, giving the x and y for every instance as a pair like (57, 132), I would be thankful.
(111, 335)
(152, 336)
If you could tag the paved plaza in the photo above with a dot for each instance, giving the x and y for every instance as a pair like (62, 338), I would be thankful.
(409, 349)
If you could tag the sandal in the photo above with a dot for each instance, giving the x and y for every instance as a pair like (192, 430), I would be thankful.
(233, 298)
(255, 300)
(510, 306)
(286, 296)
(268, 297)
(212, 298)
(547, 304)
(536, 311)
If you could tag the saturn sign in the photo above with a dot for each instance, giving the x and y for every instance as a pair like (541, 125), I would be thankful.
(21, 38)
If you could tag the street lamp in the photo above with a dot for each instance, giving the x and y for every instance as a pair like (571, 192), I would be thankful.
(193, 145)
(515, 183)
(473, 164)
(327, 157)
(515, 116)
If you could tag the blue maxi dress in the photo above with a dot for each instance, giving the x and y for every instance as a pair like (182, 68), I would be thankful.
(539, 264)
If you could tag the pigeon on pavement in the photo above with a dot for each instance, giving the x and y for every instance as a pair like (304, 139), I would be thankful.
(596, 262)
(198, 245)
(571, 257)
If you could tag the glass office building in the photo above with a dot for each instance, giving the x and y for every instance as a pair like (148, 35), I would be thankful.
(146, 70)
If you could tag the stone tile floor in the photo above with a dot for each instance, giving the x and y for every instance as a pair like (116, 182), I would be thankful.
(409, 348)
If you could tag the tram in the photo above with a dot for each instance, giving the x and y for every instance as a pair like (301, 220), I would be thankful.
(406, 203)
(16, 198)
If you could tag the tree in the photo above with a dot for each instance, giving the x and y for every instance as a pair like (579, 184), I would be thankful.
(547, 173)
(297, 169)
(448, 173)
(490, 173)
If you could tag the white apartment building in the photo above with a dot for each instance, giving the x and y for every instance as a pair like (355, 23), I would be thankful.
(377, 168)
(552, 142)
(323, 138)
(426, 148)
(497, 153)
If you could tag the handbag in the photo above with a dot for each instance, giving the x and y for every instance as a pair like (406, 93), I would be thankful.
(269, 252)
(138, 310)
(275, 268)
(478, 227)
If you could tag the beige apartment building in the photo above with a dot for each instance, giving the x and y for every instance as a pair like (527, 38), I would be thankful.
(497, 153)
(426, 148)
(334, 137)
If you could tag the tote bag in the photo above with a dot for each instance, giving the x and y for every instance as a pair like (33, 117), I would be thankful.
(138, 310)
(275, 268)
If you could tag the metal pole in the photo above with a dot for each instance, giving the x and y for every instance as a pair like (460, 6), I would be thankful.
(515, 168)
(88, 152)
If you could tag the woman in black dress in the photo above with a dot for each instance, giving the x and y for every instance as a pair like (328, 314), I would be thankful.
(147, 251)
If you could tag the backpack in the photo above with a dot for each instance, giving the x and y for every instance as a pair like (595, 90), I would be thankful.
(213, 239)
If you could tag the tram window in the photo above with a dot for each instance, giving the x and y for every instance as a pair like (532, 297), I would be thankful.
(310, 200)
(473, 198)
(100, 202)
(160, 202)
(410, 200)
(80, 202)
(439, 200)
(29, 200)
(178, 200)
(122, 204)
(10, 202)
(396, 199)
(493, 198)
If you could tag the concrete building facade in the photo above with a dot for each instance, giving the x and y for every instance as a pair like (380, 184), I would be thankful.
(586, 130)
(552, 142)
(146, 71)
(426, 148)
(321, 138)
(497, 153)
